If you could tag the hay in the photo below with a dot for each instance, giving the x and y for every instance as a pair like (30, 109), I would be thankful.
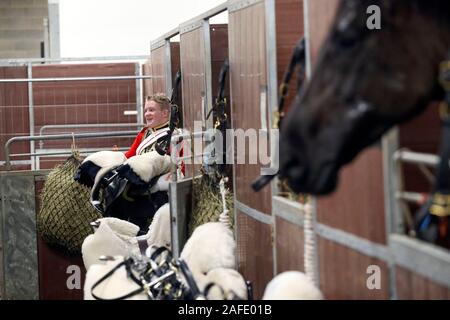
(65, 214)
(207, 202)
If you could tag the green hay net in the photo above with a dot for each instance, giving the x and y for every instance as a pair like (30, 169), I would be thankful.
(207, 202)
(65, 214)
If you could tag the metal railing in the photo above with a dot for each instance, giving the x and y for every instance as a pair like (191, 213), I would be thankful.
(73, 79)
(116, 134)
(402, 197)
(84, 126)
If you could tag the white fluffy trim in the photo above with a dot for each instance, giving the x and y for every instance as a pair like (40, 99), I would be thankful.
(111, 238)
(292, 285)
(228, 279)
(106, 158)
(211, 246)
(118, 237)
(149, 165)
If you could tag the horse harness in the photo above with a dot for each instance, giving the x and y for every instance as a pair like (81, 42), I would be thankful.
(161, 277)
(432, 221)
(298, 58)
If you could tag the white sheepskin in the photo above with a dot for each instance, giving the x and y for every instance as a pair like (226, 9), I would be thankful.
(228, 279)
(115, 286)
(118, 237)
(106, 158)
(292, 285)
(159, 230)
(149, 165)
(111, 238)
(210, 246)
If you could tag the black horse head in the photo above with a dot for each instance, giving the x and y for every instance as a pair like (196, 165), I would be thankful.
(365, 82)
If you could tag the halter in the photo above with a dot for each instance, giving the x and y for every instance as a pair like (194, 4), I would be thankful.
(441, 198)
(298, 58)
(219, 112)
(220, 103)
(161, 277)
(163, 146)
(158, 275)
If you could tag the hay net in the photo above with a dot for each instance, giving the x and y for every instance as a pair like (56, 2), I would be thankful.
(207, 202)
(65, 214)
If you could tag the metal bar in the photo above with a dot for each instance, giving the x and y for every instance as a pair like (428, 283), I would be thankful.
(88, 125)
(208, 71)
(193, 23)
(421, 258)
(187, 136)
(353, 242)
(168, 67)
(236, 5)
(253, 213)
(413, 197)
(392, 181)
(139, 93)
(288, 210)
(407, 156)
(73, 59)
(64, 136)
(31, 112)
(40, 154)
(159, 42)
(74, 79)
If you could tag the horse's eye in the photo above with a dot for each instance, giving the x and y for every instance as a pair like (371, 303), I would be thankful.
(350, 27)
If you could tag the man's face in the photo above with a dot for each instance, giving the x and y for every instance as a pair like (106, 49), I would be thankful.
(154, 115)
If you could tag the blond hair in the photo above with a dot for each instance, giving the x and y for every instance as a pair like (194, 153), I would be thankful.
(161, 99)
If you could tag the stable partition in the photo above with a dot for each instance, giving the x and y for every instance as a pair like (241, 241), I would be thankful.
(203, 50)
(164, 63)
(262, 35)
(30, 269)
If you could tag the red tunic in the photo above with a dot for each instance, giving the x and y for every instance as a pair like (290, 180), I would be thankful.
(136, 143)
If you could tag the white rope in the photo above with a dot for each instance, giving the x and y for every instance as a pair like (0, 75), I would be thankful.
(310, 245)
(224, 217)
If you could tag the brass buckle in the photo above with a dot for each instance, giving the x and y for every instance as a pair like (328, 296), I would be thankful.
(444, 77)
(444, 110)
(441, 205)
(284, 89)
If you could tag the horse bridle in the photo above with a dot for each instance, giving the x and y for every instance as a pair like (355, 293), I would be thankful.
(163, 146)
(221, 102)
(161, 277)
(441, 195)
(298, 58)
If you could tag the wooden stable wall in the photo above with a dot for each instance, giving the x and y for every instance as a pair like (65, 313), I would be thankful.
(14, 118)
(67, 103)
(259, 234)
(342, 270)
(53, 265)
(158, 70)
(289, 237)
(195, 65)
(157, 64)
(247, 43)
